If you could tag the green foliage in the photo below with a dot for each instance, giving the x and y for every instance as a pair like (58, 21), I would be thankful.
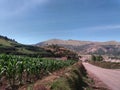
(10, 46)
(60, 84)
(72, 80)
(96, 58)
(93, 58)
(21, 70)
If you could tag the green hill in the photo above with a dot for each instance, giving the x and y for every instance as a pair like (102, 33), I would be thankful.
(4, 41)
(10, 46)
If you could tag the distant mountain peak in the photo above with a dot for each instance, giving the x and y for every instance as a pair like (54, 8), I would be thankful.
(86, 47)
(77, 42)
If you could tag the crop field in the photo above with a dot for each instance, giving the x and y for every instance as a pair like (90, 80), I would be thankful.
(19, 70)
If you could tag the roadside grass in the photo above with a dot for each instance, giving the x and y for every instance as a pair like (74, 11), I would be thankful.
(60, 84)
(75, 78)
(108, 65)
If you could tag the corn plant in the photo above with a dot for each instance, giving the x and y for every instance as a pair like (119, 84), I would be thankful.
(20, 70)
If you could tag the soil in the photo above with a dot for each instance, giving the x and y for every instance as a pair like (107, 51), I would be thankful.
(109, 77)
(97, 84)
(43, 84)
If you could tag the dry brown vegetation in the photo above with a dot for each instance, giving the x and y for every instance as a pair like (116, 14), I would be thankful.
(108, 65)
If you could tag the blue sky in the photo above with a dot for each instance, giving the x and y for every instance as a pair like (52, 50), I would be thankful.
(33, 21)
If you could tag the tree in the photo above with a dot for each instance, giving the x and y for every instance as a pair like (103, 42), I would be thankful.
(100, 58)
(93, 58)
(97, 58)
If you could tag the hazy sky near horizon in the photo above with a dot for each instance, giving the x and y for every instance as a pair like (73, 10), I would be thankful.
(32, 21)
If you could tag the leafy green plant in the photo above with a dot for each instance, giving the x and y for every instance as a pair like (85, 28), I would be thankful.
(20, 70)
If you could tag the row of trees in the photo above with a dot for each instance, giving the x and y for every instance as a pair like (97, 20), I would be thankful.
(6, 38)
(97, 58)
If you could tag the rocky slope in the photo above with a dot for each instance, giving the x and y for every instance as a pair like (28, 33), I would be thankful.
(86, 47)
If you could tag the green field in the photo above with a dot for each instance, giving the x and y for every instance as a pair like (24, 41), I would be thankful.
(18, 70)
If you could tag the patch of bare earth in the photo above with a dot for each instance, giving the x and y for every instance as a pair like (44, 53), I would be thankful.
(98, 84)
(44, 83)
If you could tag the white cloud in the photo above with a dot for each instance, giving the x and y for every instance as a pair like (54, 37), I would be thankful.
(16, 7)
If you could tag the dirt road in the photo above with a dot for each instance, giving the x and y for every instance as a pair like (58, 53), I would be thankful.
(109, 77)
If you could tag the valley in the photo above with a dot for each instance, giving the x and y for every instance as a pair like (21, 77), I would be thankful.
(59, 44)
(45, 65)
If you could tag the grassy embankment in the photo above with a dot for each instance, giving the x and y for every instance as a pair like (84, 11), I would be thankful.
(71, 78)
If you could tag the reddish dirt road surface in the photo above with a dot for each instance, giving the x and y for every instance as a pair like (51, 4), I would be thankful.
(109, 77)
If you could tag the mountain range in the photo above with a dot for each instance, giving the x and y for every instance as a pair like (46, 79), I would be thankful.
(86, 47)
(10, 46)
